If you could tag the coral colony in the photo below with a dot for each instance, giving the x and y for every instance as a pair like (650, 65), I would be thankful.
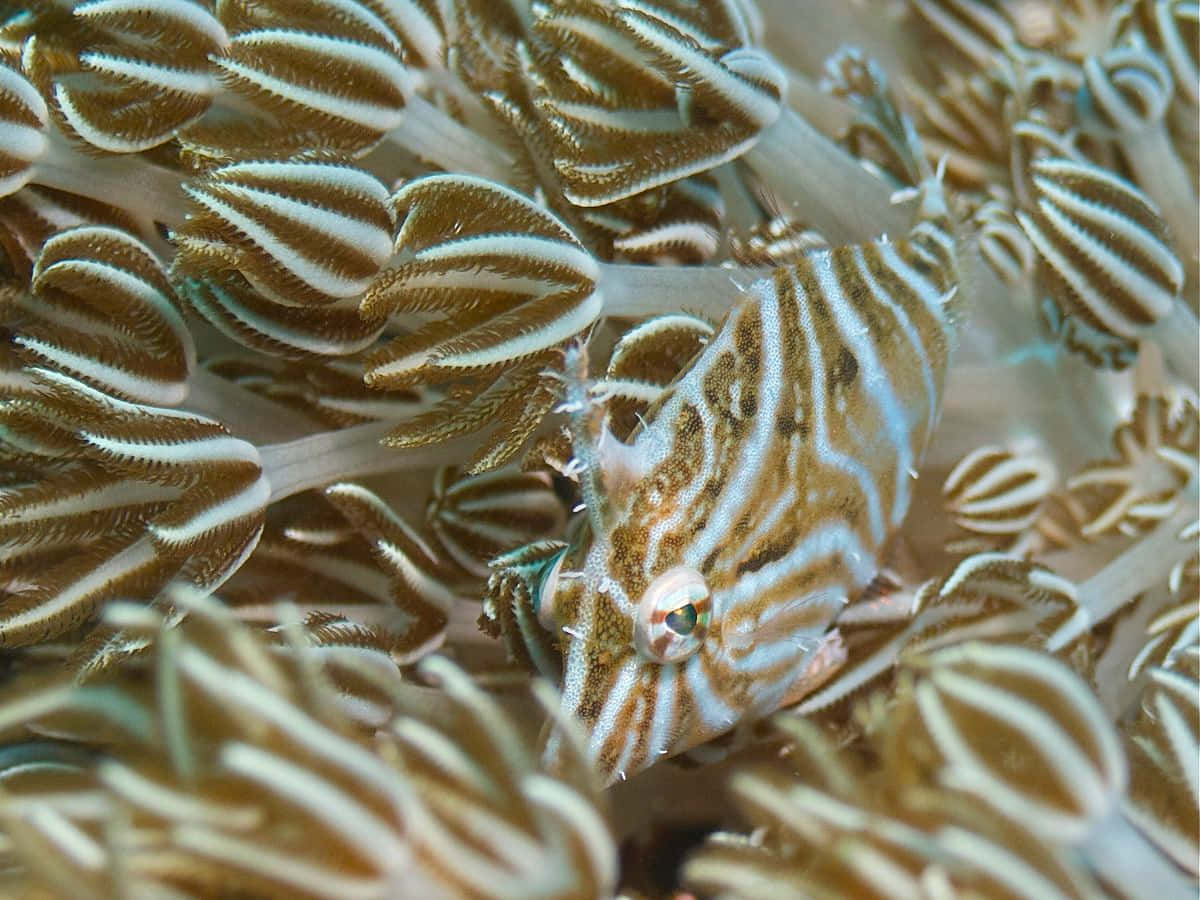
(590, 448)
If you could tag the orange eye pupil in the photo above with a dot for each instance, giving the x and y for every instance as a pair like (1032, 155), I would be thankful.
(683, 620)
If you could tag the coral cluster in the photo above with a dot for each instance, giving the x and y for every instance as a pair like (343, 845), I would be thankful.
(329, 325)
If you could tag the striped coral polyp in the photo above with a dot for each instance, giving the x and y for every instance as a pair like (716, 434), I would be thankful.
(812, 388)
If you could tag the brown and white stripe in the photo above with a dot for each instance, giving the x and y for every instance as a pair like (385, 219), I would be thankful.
(1104, 252)
(775, 468)
(475, 518)
(995, 491)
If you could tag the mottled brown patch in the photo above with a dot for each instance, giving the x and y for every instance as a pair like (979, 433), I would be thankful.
(715, 384)
(671, 547)
(776, 550)
(748, 404)
(590, 710)
(843, 369)
(747, 340)
(629, 542)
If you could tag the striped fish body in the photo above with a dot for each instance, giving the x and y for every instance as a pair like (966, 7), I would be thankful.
(768, 480)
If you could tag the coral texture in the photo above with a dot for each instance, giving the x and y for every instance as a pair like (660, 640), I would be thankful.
(587, 448)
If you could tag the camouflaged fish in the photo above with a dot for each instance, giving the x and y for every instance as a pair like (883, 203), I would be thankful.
(720, 543)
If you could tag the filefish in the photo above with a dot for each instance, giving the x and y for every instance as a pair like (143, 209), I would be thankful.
(720, 543)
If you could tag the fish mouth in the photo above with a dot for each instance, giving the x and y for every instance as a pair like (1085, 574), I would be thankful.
(513, 611)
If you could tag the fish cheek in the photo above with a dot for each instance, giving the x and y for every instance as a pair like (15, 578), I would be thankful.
(626, 558)
(604, 661)
(615, 639)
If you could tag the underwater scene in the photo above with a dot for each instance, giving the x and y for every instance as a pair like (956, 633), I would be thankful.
(643, 449)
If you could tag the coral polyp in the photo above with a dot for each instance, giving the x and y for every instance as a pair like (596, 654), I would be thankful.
(586, 448)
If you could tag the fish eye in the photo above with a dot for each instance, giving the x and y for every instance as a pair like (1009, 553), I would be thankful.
(674, 616)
